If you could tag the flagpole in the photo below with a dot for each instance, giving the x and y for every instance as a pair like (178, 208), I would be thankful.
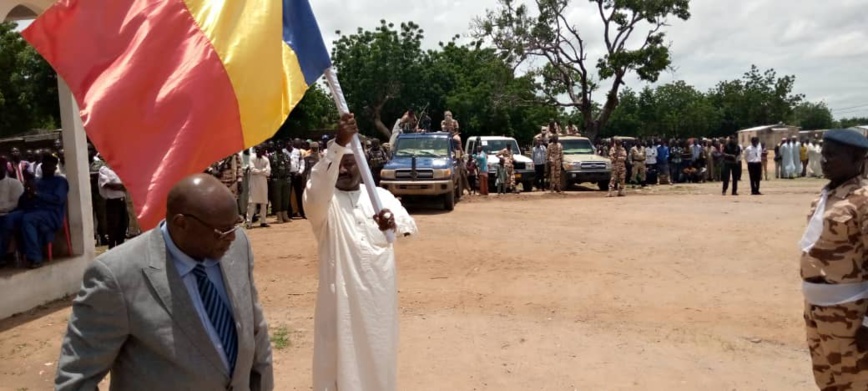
(356, 145)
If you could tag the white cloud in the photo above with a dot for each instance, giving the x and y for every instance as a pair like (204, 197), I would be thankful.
(823, 43)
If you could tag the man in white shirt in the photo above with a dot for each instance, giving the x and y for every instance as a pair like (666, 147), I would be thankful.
(296, 173)
(356, 320)
(117, 219)
(10, 191)
(753, 155)
(651, 159)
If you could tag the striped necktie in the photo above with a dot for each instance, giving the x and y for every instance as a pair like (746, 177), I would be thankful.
(219, 314)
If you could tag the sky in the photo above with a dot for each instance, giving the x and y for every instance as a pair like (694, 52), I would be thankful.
(823, 43)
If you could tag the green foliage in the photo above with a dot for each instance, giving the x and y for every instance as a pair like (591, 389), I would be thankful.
(812, 116)
(567, 71)
(384, 73)
(28, 86)
(378, 67)
(315, 111)
(851, 122)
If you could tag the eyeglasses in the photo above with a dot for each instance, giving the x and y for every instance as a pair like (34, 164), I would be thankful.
(219, 233)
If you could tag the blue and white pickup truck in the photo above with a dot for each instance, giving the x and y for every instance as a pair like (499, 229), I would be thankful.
(423, 165)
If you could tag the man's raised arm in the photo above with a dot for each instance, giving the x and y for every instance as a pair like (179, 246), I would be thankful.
(321, 186)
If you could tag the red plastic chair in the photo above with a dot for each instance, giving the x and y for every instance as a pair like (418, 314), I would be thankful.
(68, 241)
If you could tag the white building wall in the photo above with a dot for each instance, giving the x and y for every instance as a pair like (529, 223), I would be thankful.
(27, 289)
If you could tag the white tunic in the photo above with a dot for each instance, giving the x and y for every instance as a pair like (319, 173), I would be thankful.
(814, 154)
(356, 320)
(797, 160)
(787, 160)
(260, 170)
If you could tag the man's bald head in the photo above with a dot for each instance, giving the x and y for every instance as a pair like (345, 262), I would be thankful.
(200, 208)
(199, 194)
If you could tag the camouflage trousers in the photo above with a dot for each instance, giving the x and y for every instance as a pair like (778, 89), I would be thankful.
(510, 175)
(619, 176)
(639, 172)
(831, 333)
(555, 175)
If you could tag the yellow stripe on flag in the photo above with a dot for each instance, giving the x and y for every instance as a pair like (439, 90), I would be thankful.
(263, 70)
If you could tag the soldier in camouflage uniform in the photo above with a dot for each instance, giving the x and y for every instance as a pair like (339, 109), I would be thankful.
(834, 267)
(618, 155)
(555, 159)
(377, 159)
(230, 172)
(506, 154)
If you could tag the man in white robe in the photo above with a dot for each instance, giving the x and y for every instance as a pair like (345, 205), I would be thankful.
(814, 154)
(796, 157)
(787, 159)
(260, 170)
(356, 320)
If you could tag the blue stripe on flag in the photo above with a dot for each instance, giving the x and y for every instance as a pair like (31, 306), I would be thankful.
(302, 34)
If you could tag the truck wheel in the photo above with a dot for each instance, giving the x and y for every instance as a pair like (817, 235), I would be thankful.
(603, 185)
(449, 201)
(527, 187)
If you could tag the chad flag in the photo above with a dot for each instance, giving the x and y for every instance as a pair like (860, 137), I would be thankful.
(167, 87)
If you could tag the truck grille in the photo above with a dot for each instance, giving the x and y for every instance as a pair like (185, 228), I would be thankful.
(593, 166)
(518, 166)
(420, 174)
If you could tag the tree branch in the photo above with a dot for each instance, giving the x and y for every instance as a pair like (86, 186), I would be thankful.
(605, 23)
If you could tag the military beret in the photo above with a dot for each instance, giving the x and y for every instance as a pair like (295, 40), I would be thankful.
(847, 137)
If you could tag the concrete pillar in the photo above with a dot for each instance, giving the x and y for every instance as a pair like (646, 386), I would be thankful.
(77, 173)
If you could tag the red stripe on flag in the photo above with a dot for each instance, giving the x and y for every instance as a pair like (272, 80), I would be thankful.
(155, 98)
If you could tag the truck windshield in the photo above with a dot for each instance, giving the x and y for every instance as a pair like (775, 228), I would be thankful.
(492, 147)
(422, 147)
(577, 147)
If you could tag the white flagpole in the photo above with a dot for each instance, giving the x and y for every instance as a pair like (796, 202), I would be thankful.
(356, 145)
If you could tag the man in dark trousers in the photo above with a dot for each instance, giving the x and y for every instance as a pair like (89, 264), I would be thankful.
(753, 155)
(731, 165)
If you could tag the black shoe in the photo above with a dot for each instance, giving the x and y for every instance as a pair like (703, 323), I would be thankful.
(735, 194)
(264, 225)
(35, 265)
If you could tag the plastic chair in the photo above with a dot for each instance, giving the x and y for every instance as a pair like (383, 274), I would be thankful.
(68, 241)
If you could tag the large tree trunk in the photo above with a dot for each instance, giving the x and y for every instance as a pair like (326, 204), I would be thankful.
(378, 121)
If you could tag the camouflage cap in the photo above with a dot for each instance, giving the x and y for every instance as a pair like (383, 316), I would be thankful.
(848, 137)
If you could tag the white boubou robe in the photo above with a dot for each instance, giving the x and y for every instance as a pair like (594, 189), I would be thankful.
(260, 170)
(356, 320)
(814, 154)
(787, 160)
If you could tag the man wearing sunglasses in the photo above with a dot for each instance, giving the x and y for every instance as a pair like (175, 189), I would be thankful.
(356, 322)
(175, 308)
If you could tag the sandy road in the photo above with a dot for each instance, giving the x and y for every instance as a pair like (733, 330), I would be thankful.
(674, 289)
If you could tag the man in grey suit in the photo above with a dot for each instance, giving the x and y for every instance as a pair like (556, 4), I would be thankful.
(175, 308)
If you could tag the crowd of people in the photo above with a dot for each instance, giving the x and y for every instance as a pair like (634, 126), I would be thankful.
(33, 198)
(652, 161)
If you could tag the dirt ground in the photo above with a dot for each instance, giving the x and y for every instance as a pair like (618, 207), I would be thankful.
(670, 288)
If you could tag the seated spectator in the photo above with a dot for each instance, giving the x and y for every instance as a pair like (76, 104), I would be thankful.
(10, 190)
(39, 215)
(692, 173)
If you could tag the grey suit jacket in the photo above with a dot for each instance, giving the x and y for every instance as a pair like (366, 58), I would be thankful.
(134, 317)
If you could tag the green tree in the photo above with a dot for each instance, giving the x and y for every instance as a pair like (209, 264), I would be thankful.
(315, 111)
(377, 68)
(812, 116)
(567, 71)
(851, 122)
(759, 98)
(28, 86)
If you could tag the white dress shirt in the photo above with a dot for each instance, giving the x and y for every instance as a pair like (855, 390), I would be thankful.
(296, 161)
(651, 155)
(11, 190)
(753, 154)
(106, 177)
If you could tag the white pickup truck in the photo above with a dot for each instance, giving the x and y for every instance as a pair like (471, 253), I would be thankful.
(523, 165)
